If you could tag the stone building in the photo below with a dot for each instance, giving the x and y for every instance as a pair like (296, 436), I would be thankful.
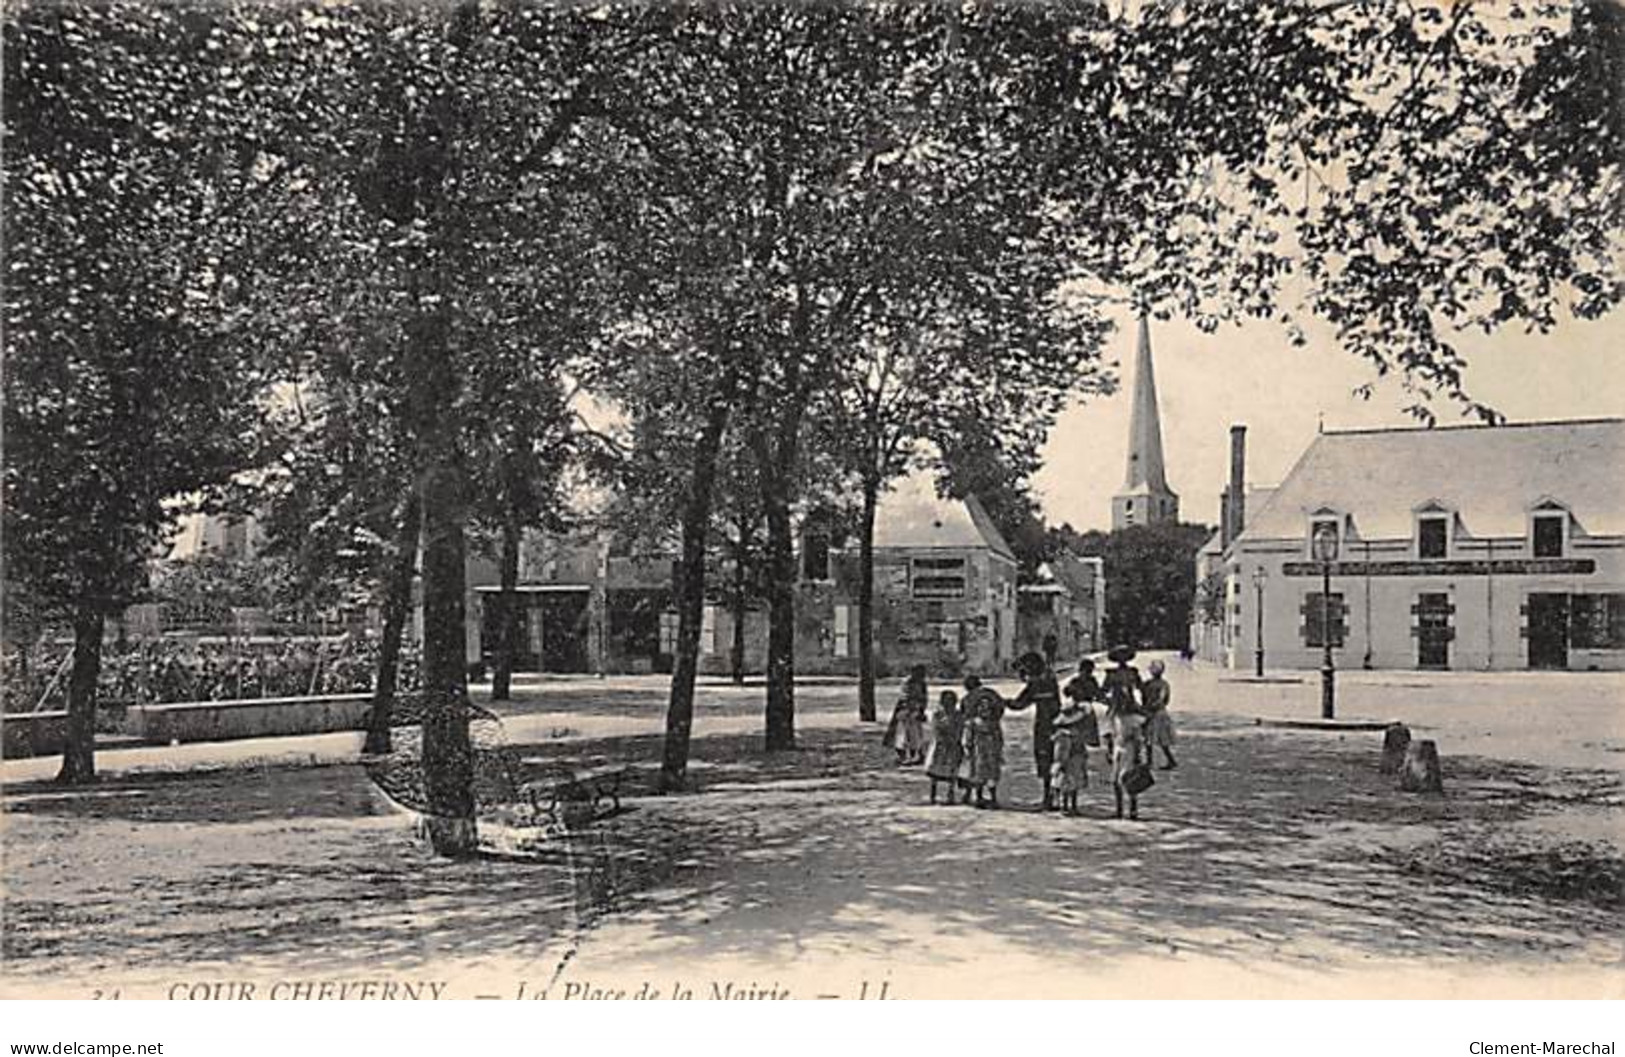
(945, 596)
(945, 591)
(1067, 601)
(1469, 548)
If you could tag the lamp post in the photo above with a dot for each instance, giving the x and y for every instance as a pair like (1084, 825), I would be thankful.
(1260, 574)
(1366, 663)
(1326, 553)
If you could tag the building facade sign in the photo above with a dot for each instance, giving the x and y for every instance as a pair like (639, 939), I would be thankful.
(1459, 567)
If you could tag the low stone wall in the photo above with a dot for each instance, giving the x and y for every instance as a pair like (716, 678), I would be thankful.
(25, 734)
(253, 718)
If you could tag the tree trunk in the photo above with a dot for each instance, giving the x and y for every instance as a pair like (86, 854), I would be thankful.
(79, 746)
(448, 763)
(781, 618)
(397, 607)
(691, 597)
(866, 602)
(737, 653)
(507, 610)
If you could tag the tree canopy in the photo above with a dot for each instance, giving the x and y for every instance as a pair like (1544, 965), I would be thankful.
(731, 222)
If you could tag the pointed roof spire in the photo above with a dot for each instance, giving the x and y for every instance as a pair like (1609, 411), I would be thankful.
(1145, 467)
(1145, 498)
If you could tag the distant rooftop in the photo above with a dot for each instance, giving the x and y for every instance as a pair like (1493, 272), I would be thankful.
(1489, 475)
(913, 515)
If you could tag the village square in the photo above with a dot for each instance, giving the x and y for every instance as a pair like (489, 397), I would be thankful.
(844, 501)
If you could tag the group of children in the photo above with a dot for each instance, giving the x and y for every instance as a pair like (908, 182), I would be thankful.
(1125, 714)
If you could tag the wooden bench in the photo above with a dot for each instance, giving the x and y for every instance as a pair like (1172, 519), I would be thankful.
(565, 787)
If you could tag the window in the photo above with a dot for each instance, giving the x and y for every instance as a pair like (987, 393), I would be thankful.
(939, 578)
(668, 633)
(708, 630)
(843, 631)
(1546, 535)
(1432, 537)
(1314, 615)
(1319, 525)
(1597, 622)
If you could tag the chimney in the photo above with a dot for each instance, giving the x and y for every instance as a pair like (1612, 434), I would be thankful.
(1236, 508)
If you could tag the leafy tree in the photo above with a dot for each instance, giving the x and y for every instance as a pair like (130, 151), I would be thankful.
(1150, 581)
(424, 152)
(527, 449)
(339, 501)
(120, 231)
(982, 391)
(1398, 170)
(206, 587)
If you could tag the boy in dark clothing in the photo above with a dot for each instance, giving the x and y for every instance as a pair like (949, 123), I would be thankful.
(1044, 695)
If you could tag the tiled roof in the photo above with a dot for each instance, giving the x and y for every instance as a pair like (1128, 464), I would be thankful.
(1489, 475)
(913, 515)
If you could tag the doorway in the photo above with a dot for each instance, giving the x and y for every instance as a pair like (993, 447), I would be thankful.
(1548, 631)
(1433, 630)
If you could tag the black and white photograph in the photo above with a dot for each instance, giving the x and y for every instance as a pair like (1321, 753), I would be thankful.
(844, 500)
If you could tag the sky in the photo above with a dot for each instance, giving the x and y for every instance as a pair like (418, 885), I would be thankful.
(1251, 375)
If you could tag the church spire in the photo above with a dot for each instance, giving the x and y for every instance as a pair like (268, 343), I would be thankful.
(1145, 497)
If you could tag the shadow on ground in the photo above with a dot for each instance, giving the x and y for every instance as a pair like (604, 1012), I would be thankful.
(1263, 846)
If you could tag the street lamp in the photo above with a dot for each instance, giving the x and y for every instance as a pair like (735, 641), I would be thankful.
(1325, 550)
(1260, 574)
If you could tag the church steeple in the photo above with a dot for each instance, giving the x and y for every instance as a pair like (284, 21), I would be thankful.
(1145, 497)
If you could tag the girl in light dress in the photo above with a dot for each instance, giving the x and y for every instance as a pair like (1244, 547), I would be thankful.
(1070, 771)
(906, 733)
(984, 742)
(947, 746)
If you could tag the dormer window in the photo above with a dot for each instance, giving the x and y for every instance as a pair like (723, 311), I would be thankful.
(1549, 525)
(1547, 532)
(1325, 522)
(1433, 525)
(1432, 537)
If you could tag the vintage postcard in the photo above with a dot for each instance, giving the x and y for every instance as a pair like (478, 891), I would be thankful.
(510, 500)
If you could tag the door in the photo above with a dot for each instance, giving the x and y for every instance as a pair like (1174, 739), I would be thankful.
(1433, 630)
(1548, 631)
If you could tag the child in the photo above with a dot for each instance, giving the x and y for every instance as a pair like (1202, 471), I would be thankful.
(1071, 767)
(1044, 695)
(984, 741)
(906, 732)
(1084, 688)
(947, 749)
(1125, 722)
(1159, 727)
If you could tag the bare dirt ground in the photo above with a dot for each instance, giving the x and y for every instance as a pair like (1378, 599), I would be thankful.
(1271, 862)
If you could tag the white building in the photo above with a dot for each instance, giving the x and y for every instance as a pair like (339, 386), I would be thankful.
(1470, 548)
